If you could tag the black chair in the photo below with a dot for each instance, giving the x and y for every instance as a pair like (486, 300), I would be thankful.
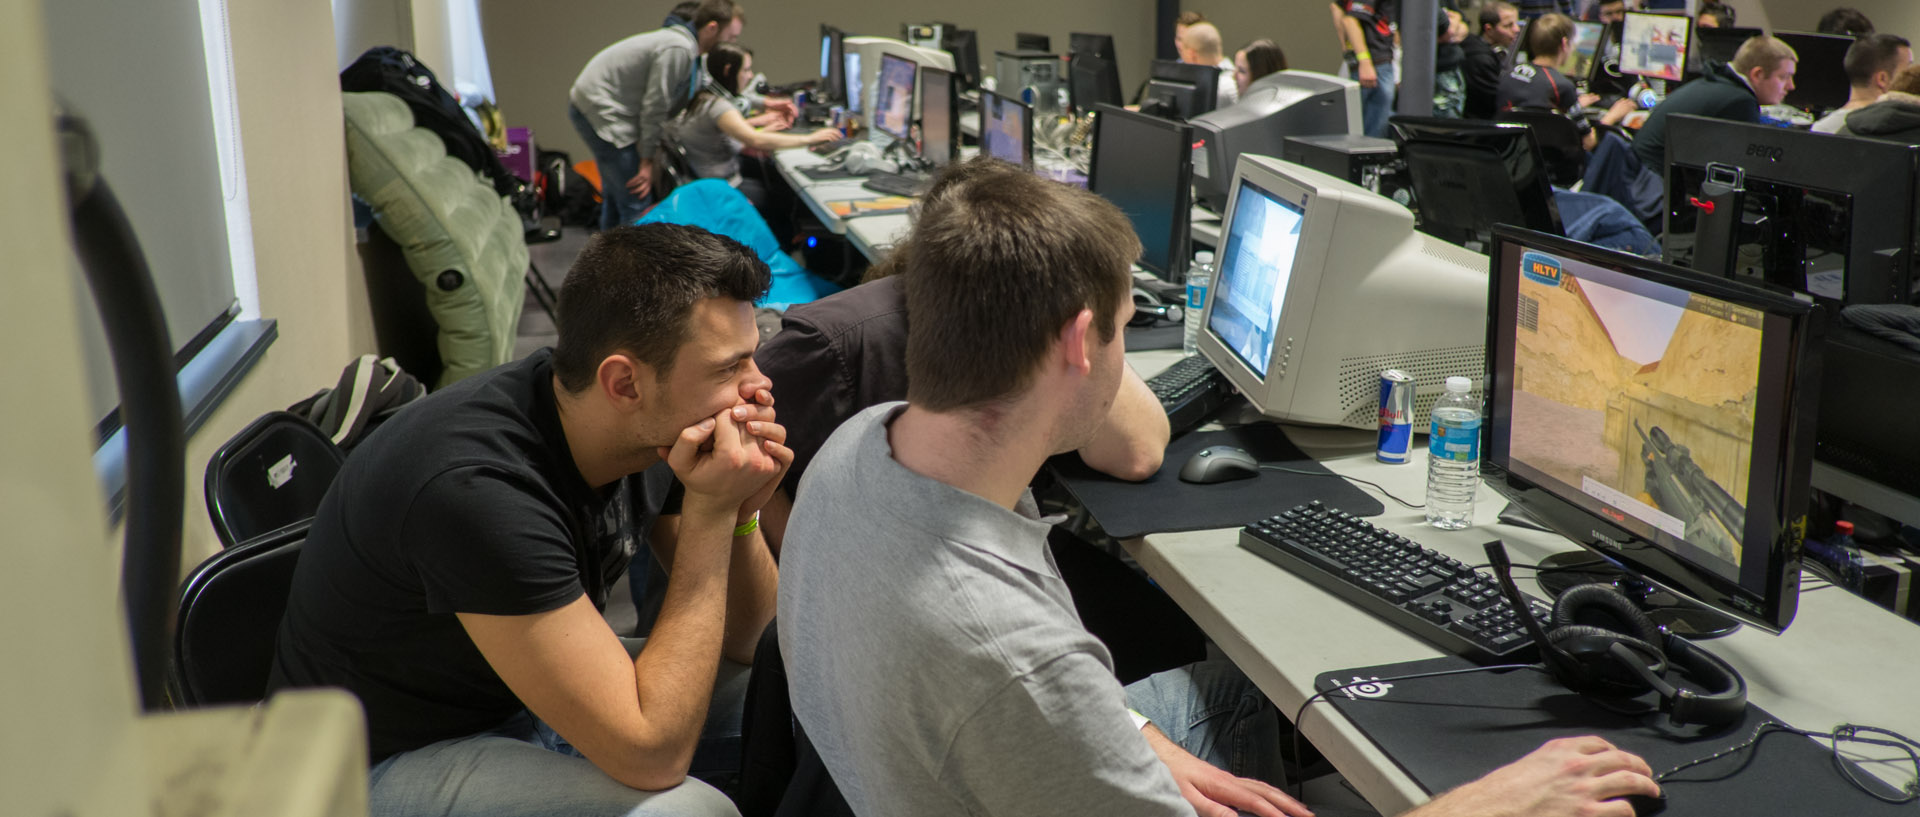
(781, 775)
(1559, 142)
(675, 168)
(270, 475)
(230, 609)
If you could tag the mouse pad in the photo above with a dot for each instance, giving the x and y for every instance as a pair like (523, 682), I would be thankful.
(830, 171)
(1447, 731)
(1163, 504)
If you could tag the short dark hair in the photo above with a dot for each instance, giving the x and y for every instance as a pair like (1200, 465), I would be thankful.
(1845, 20)
(1490, 14)
(1610, 3)
(632, 289)
(724, 63)
(1264, 57)
(992, 270)
(1189, 17)
(1720, 11)
(1546, 33)
(1872, 54)
(714, 11)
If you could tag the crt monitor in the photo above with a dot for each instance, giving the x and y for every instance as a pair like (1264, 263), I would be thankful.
(1820, 77)
(893, 97)
(1468, 176)
(1181, 91)
(1276, 106)
(1655, 46)
(1661, 418)
(939, 110)
(1140, 164)
(1322, 284)
(833, 63)
(1006, 129)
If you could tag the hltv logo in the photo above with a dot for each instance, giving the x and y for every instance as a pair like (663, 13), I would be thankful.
(1541, 268)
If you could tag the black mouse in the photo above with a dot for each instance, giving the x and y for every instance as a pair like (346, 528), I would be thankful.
(1219, 463)
(1646, 805)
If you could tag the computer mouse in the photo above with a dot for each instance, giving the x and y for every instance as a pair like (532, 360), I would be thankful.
(1219, 463)
(1646, 805)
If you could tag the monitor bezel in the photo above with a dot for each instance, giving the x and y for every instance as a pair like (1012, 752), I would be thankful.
(1686, 52)
(952, 113)
(1026, 127)
(851, 66)
(1600, 79)
(835, 81)
(1764, 595)
(1175, 270)
(913, 92)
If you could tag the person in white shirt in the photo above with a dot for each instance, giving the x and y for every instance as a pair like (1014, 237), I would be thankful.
(1871, 63)
(1199, 44)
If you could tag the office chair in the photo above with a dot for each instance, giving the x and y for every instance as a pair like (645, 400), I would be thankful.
(230, 609)
(1559, 142)
(781, 775)
(675, 168)
(270, 475)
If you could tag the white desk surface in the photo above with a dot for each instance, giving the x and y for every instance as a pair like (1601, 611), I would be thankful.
(1842, 659)
(1204, 226)
(874, 235)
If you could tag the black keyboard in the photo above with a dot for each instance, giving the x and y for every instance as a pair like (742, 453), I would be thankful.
(1190, 391)
(895, 184)
(1428, 594)
(825, 148)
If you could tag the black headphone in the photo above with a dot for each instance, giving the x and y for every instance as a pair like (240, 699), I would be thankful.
(1602, 645)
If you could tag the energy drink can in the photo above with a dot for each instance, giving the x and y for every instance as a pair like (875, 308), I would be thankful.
(1396, 417)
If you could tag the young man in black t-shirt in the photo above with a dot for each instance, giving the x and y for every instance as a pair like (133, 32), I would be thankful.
(456, 572)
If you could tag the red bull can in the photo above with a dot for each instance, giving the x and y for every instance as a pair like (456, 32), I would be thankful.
(1396, 417)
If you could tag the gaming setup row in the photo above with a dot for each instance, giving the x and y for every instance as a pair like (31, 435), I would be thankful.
(1668, 49)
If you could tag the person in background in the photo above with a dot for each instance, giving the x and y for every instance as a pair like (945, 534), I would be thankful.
(1611, 11)
(1714, 15)
(1538, 85)
(1488, 57)
(1845, 20)
(1872, 62)
(1367, 35)
(1895, 116)
(713, 130)
(622, 99)
(1449, 81)
(1201, 45)
(1186, 20)
(1761, 74)
(1257, 59)
(681, 14)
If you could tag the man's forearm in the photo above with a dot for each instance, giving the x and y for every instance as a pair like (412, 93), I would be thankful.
(753, 585)
(1132, 440)
(676, 669)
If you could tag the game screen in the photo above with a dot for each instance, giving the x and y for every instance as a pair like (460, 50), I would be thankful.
(1638, 399)
(826, 54)
(1586, 38)
(853, 82)
(893, 98)
(1252, 285)
(1655, 46)
(1003, 129)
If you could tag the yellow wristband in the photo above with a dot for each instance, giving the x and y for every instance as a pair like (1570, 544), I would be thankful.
(1365, 55)
(748, 526)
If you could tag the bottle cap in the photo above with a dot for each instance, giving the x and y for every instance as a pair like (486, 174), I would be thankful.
(1843, 527)
(1457, 383)
(1203, 257)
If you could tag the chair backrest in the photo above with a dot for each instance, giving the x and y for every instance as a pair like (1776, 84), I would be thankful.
(230, 609)
(270, 475)
(781, 775)
(676, 168)
(1559, 142)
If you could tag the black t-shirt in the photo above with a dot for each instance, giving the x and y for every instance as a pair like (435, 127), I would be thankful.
(832, 358)
(1376, 18)
(1529, 87)
(467, 501)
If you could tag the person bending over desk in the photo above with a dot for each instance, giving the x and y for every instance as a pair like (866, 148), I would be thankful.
(455, 574)
(713, 129)
(917, 578)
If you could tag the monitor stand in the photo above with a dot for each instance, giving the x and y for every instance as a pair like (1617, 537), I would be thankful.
(1561, 571)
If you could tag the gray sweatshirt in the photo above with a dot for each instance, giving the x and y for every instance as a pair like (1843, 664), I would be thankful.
(630, 89)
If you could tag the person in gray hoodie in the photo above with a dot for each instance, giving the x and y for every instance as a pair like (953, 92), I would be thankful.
(1895, 116)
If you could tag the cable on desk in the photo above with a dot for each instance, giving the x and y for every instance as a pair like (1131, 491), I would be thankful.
(1844, 732)
(1374, 485)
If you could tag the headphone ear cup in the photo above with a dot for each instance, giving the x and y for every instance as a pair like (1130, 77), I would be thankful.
(1599, 605)
(1601, 671)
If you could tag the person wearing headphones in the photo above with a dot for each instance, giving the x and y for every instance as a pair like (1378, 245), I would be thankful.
(713, 130)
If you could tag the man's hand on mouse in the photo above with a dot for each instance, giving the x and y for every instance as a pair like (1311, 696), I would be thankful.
(1583, 776)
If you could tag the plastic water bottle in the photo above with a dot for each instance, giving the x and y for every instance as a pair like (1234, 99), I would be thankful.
(1453, 456)
(1199, 278)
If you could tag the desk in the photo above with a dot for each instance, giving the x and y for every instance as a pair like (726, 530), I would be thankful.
(1842, 659)
(873, 236)
(1204, 226)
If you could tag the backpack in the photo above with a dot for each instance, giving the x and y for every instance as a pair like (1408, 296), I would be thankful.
(397, 72)
(370, 391)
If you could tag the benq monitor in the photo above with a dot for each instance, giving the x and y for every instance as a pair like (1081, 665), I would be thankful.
(1140, 164)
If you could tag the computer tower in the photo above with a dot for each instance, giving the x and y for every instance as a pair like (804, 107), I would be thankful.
(1367, 161)
(1276, 106)
(1016, 71)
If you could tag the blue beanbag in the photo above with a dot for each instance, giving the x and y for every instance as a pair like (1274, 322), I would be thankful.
(714, 205)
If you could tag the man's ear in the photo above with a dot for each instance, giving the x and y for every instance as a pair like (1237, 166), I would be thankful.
(1076, 339)
(621, 380)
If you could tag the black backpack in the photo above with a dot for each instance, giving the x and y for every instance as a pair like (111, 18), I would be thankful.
(397, 72)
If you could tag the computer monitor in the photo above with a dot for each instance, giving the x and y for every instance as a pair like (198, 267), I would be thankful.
(1661, 418)
(1468, 176)
(856, 88)
(1080, 44)
(870, 51)
(1586, 38)
(1141, 164)
(1023, 41)
(1006, 129)
(1323, 284)
(1820, 76)
(1720, 44)
(1178, 90)
(833, 64)
(1603, 73)
(1655, 46)
(964, 45)
(1093, 75)
(939, 110)
(1276, 106)
(893, 97)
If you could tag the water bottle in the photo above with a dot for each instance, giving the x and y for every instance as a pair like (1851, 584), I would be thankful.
(1453, 456)
(1199, 277)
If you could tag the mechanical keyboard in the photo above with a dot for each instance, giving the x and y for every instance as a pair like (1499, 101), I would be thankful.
(1190, 391)
(895, 184)
(1428, 594)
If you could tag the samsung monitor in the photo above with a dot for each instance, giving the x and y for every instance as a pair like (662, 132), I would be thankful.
(1586, 39)
(1661, 418)
(1006, 129)
(1603, 73)
(1141, 164)
(1023, 41)
(1322, 284)
(1177, 90)
(1655, 46)
(1820, 76)
(893, 97)
(833, 64)
(1276, 106)
(964, 46)
(1468, 176)
(939, 110)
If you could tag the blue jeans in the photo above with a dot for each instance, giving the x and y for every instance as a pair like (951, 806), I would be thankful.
(618, 206)
(1212, 710)
(522, 768)
(1376, 103)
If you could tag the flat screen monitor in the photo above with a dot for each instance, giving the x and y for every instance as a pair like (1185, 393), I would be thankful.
(1090, 45)
(1720, 44)
(893, 97)
(1468, 176)
(1586, 38)
(1655, 46)
(1023, 41)
(1603, 74)
(1661, 418)
(964, 45)
(1141, 164)
(939, 109)
(1178, 90)
(855, 93)
(1322, 284)
(1006, 129)
(833, 63)
(1093, 75)
(1820, 77)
